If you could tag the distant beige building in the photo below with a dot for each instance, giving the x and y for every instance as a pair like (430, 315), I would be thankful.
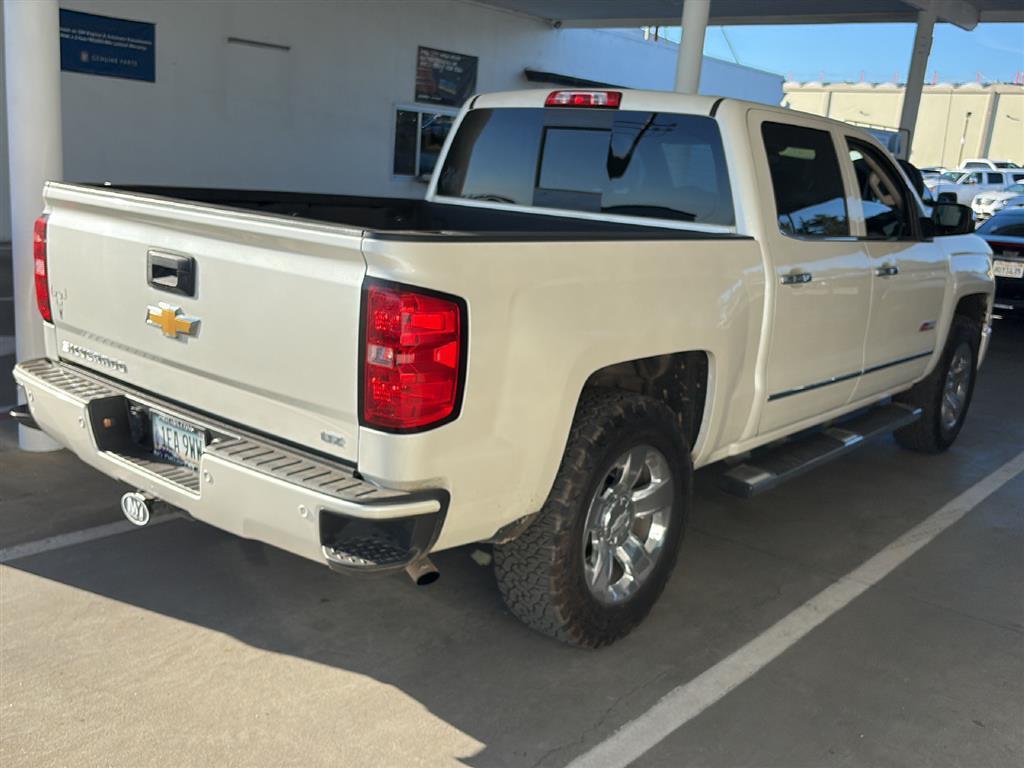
(990, 118)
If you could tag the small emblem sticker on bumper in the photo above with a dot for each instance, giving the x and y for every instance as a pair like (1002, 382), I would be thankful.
(135, 508)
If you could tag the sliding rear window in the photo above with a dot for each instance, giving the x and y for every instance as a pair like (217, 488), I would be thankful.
(647, 164)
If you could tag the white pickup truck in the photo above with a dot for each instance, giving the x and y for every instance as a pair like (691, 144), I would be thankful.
(602, 292)
(973, 183)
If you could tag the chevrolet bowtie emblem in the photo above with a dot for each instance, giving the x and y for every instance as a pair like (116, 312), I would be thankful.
(170, 320)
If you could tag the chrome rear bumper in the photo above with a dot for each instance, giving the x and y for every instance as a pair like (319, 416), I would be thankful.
(247, 484)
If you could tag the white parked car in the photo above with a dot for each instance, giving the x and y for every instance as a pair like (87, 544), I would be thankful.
(967, 187)
(992, 165)
(601, 292)
(988, 204)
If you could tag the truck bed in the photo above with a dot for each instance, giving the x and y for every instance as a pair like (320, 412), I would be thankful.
(409, 218)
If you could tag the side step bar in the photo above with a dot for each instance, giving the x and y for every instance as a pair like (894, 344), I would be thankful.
(767, 468)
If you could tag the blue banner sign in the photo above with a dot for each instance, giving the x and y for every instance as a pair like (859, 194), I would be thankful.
(102, 45)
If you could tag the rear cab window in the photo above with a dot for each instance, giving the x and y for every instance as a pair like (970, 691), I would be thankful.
(651, 165)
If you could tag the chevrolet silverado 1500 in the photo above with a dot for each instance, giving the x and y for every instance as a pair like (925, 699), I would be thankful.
(601, 292)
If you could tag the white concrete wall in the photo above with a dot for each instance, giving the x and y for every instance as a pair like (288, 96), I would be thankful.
(5, 188)
(320, 116)
(940, 121)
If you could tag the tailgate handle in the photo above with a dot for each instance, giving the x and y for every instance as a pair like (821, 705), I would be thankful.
(171, 272)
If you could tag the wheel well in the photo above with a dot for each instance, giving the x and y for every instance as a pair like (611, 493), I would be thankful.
(680, 380)
(974, 307)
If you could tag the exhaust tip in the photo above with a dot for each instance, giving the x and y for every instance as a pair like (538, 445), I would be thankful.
(428, 578)
(422, 572)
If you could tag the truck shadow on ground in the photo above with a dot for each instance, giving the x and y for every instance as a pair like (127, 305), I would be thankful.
(455, 649)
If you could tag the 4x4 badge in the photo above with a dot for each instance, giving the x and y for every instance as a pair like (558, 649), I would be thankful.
(170, 320)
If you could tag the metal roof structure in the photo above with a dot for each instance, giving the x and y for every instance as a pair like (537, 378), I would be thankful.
(965, 14)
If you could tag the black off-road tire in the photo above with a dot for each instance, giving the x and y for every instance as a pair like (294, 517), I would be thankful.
(541, 575)
(928, 434)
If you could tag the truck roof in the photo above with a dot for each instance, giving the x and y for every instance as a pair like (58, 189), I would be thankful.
(653, 101)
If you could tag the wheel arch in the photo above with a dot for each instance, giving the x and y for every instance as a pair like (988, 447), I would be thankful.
(678, 379)
(974, 306)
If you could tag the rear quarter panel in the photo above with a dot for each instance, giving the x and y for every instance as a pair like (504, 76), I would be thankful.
(543, 316)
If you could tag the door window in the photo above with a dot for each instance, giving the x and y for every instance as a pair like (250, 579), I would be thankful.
(808, 186)
(995, 178)
(883, 197)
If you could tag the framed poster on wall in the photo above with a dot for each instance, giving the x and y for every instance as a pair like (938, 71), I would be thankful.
(443, 77)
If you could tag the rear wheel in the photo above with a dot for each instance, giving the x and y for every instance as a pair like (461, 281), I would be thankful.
(598, 555)
(945, 395)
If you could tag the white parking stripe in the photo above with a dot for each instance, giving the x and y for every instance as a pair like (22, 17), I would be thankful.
(684, 703)
(77, 537)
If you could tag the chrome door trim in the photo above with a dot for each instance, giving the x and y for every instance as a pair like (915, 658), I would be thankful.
(847, 376)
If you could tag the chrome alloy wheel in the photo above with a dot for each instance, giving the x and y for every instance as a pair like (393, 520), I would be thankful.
(956, 386)
(628, 519)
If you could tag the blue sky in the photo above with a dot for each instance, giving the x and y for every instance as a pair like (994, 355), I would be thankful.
(843, 51)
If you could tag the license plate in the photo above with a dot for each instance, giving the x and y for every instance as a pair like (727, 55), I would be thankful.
(176, 440)
(1008, 268)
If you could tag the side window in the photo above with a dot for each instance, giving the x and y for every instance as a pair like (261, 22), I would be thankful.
(995, 178)
(1013, 229)
(808, 186)
(886, 214)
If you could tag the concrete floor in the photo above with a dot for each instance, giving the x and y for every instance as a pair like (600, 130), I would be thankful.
(181, 645)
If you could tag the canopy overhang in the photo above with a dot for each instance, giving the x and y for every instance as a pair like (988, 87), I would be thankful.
(965, 14)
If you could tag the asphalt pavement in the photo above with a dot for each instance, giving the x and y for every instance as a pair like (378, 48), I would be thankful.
(181, 645)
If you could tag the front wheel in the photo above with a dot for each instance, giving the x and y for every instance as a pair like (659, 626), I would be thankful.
(945, 395)
(595, 560)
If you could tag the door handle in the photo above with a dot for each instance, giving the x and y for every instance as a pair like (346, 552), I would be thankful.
(797, 278)
(171, 272)
(887, 270)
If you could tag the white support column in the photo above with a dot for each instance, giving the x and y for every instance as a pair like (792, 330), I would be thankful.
(691, 47)
(915, 77)
(32, 77)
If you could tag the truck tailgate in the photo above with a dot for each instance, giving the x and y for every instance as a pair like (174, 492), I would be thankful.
(268, 337)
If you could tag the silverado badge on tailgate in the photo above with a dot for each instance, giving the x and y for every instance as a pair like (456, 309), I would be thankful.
(170, 320)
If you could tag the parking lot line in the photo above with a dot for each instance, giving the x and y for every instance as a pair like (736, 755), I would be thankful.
(684, 703)
(77, 537)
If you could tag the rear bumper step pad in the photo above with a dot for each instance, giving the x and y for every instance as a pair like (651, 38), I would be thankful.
(264, 489)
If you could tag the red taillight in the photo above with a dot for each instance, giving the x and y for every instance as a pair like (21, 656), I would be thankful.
(42, 278)
(413, 357)
(608, 99)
